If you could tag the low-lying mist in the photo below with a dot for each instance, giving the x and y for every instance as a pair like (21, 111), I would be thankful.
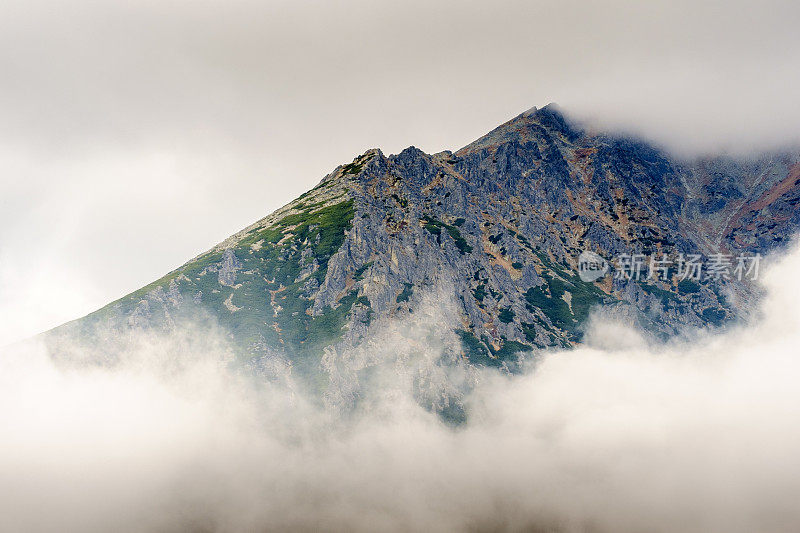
(620, 435)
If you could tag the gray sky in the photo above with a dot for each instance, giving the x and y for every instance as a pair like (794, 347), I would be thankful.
(137, 134)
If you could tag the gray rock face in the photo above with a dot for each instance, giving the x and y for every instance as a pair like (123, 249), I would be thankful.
(500, 224)
(228, 267)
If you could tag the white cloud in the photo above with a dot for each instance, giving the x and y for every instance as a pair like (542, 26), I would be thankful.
(690, 436)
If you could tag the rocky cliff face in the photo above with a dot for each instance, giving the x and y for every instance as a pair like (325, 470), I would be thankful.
(498, 226)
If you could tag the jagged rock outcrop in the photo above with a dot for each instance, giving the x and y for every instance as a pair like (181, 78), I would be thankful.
(500, 223)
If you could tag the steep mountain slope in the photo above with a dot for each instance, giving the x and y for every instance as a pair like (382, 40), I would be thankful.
(498, 225)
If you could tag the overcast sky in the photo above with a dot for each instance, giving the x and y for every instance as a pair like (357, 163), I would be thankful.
(134, 135)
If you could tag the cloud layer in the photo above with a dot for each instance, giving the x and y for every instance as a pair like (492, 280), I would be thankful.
(620, 435)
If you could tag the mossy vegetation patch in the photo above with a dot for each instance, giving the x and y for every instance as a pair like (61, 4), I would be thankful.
(435, 227)
(506, 315)
(480, 352)
(566, 312)
(406, 293)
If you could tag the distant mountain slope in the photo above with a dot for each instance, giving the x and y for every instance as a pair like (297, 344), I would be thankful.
(500, 223)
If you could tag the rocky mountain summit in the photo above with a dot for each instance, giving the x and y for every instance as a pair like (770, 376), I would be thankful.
(497, 227)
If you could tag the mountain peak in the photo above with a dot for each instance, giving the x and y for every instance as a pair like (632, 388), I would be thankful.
(498, 226)
(551, 107)
(535, 121)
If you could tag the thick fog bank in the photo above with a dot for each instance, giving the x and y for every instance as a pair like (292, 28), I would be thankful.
(619, 436)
